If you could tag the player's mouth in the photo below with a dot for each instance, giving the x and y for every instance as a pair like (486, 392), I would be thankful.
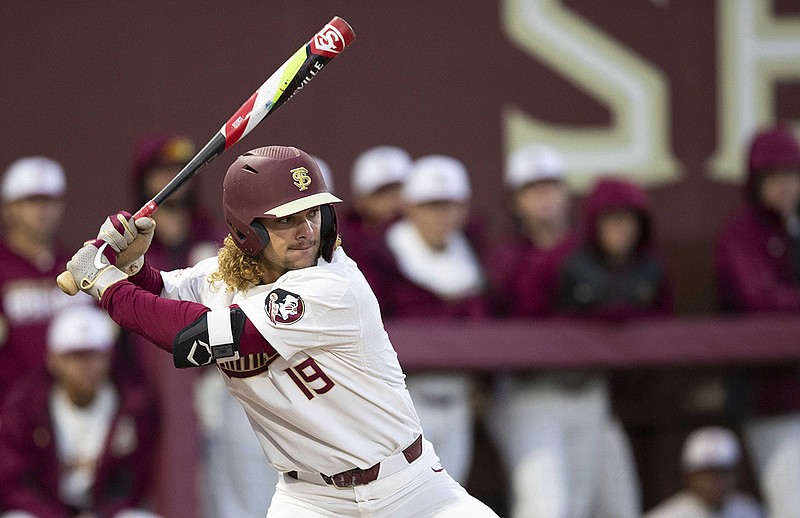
(303, 247)
(311, 245)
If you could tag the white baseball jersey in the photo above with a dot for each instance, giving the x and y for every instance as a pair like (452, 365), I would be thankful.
(334, 397)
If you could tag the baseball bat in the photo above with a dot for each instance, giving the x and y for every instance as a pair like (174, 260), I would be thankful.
(281, 86)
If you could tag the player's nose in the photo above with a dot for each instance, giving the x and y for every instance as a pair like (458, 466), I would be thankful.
(305, 229)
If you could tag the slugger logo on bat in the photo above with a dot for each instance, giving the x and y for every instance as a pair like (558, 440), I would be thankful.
(328, 42)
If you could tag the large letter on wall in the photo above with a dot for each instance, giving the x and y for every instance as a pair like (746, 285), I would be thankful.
(755, 51)
(638, 140)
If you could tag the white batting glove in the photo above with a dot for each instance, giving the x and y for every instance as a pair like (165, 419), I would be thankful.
(131, 259)
(118, 230)
(92, 268)
(129, 238)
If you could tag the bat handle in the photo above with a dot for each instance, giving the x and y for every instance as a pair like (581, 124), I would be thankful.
(145, 212)
(67, 283)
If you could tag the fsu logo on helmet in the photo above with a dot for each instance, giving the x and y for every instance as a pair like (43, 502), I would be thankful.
(301, 178)
(283, 307)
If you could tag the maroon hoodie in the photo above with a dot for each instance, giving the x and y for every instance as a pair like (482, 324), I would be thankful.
(755, 260)
(575, 279)
(756, 265)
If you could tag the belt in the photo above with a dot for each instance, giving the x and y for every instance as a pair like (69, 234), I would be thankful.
(360, 477)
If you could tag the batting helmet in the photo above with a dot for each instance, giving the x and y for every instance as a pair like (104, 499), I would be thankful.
(275, 182)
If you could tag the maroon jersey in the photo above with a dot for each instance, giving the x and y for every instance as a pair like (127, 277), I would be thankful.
(29, 297)
(504, 265)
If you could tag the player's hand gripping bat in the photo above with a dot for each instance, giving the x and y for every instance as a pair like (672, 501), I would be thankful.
(281, 86)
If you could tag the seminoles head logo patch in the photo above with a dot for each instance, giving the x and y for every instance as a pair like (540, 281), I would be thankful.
(284, 307)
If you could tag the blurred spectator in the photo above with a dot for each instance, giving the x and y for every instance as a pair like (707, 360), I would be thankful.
(77, 440)
(568, 455)
(185, 234)
(239, 480)
(540, 208)
(376, 182)
(430, 270)
(32, 211)
(709, 462)
(757, 263)
(327, 174)
(609, 271)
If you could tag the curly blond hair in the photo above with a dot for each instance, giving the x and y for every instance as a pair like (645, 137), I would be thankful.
(237, 270)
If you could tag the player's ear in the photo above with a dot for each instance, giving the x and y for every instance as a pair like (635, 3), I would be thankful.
(261, 233)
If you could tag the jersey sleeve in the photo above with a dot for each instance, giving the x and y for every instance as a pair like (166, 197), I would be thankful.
(188, 283)
(308, 308)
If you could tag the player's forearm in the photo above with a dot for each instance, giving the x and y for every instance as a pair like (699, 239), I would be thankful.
(148, 278)
(155, 318)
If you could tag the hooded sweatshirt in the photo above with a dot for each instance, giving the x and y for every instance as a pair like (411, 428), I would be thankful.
(756, 265)
(576, 278)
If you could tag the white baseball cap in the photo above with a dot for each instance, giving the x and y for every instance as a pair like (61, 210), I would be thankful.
(81, 328)
(533, 163)
(437, 178)
(378, 167)
(710, 447)
(33, 176)
(325, 169)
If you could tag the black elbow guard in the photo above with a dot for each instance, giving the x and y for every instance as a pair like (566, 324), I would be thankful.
(212, 337)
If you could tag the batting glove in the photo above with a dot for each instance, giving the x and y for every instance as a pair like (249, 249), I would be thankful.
(92, 268)
(129, 238)
(118, 230)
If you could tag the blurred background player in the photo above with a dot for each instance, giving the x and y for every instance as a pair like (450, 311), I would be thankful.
(709, 461)
(327, 174)
(75, 439)
(430, 269)
(32, 211)
(376, 183)
(539, 203)
(757, 264)
(568, 455)
(186, 234)
(240, 483)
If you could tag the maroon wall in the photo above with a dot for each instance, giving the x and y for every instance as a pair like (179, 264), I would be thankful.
(81, 83)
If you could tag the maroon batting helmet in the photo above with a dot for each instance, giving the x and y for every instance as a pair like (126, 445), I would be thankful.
(275, 182)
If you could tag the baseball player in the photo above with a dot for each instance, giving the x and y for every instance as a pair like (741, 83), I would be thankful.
(31, 210)
(296, 333)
